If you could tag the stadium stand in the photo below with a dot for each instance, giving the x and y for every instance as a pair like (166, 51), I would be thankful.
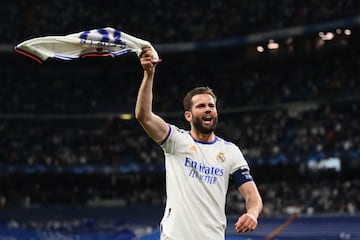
(68, 137)
(169, 21)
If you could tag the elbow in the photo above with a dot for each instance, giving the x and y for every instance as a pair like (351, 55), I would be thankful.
(137, 115)
(141, 116)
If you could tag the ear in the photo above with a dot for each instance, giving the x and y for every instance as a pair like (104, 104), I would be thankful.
(188, 115)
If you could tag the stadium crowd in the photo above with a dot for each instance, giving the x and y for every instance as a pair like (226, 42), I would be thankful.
(180, 21)
(269, 137)
(274, 127)
(273, 119)
(284, 113)
(296, 195)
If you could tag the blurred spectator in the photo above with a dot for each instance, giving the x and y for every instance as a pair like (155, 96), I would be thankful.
(59, 122)
(169, 21)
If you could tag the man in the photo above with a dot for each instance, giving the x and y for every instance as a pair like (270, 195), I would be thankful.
(198, 166)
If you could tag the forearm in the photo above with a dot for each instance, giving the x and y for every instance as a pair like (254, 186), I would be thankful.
(143, 108)
(154, 125)
(254, 204)
(252, 198)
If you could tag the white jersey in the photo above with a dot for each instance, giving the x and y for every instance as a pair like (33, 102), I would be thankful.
(197, 178)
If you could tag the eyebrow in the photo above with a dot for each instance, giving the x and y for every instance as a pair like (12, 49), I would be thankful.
(204, 104)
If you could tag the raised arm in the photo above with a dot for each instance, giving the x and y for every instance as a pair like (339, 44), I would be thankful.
(153, 124)
(254, 205)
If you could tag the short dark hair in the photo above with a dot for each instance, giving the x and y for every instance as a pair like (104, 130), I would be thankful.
(198, 90)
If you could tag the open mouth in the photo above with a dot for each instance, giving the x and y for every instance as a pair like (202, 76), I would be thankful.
(207, 119)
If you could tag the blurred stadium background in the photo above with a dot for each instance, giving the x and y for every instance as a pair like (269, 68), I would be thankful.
(74, 164)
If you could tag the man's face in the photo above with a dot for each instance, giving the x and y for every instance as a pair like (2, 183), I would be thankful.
(204, 113)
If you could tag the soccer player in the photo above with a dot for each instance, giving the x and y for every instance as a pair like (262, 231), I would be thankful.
(198, 166)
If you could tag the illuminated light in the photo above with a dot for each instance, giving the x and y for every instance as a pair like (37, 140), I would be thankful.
(347, 32)
(321, 34)
(272, 44)
(328, 36)
(260, 49)
(125, 116)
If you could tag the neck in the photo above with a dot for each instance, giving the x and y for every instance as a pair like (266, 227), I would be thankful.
(203, 137)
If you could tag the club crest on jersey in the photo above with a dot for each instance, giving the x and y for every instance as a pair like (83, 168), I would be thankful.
(220, 157)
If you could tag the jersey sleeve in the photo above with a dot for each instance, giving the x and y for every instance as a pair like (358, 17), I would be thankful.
(238, 160)
(240, 170)
(174, 140)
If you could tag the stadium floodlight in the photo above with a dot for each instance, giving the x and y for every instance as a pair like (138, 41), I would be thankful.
(347, 32)
(326, 37)
(272, 44)
(260, 49)
(125, 116)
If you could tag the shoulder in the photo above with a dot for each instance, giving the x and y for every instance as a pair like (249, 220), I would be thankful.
(174, 130)
(231, 149)
(175, 133)
(226, 143)
(178, 130)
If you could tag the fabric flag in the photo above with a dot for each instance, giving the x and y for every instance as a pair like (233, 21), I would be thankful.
(97, 42)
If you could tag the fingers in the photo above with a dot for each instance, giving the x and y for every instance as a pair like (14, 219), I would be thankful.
(246, 227)
(146, 52)
(147, 59)
(246, 223)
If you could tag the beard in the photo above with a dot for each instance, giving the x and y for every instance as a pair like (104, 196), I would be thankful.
(204, 129)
